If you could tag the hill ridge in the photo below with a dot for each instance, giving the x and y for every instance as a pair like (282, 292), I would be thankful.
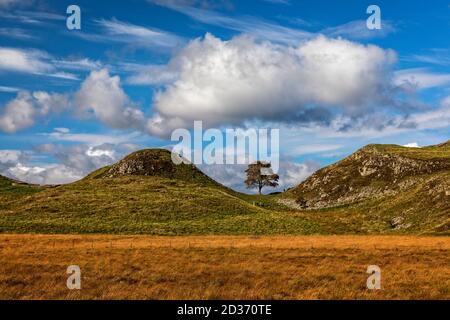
(378, 189)
(372, 171)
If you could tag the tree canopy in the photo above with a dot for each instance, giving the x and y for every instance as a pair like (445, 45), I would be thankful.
(259, 175)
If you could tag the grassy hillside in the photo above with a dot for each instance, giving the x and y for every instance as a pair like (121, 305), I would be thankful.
(379, 189)
(145, 193)
(418, 210)
(372, 172)
(143, 205)
(440, 151)
(11, 190)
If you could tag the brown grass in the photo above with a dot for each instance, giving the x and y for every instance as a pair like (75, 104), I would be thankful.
(224, 267)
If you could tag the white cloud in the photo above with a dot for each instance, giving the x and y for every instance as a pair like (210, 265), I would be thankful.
(421, 78)
(103, 96)
(315, 148)
(74, 162)
(232, 81)
(91, 139)
(412, 145)
(62, 130)
(8, 89)
(63, 75)
(44, 175)
(50, 102)
(18, 113)
(135, 35)
(433, 119)
(100, 95)
(151, 75)
(22, 111)
(78, 64)
(292, 174)
(266, 30)
(10, 157)
(16, 33)
(98, 152)
(155, 37)
(30, 61)
(33, 17)
(249, 25)
(436, 56)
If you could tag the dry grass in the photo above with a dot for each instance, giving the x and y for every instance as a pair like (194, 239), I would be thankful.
(224, 267)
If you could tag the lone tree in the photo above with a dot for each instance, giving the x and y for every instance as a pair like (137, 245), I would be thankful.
(259, 175)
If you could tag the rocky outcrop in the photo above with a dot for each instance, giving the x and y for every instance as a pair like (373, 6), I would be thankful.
(144, 163)
(372, 172)
(153, 163)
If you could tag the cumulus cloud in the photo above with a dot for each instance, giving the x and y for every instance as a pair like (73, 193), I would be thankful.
(292, 173)
(241, 79)
(50, 174)
(18, 114)
(13, 164)
(74, 162)
(9, 158)
(102, 95)
(22, 111)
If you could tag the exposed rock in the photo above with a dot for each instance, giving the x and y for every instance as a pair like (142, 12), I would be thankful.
(153, 162)
(372, 172)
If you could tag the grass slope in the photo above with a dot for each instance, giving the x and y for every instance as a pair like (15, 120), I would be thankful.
(146, 194)
(11, 190)
(440, 151)
(143, 205)
(408, 191)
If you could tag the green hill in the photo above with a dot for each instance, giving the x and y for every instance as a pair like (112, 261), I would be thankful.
(145, 193)
(378, 189)
(405, 189)
(11, 190)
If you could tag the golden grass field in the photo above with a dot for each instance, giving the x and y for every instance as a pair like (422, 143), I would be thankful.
(224, 267)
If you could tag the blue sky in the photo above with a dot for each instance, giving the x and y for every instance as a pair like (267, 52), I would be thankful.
(74, 100)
